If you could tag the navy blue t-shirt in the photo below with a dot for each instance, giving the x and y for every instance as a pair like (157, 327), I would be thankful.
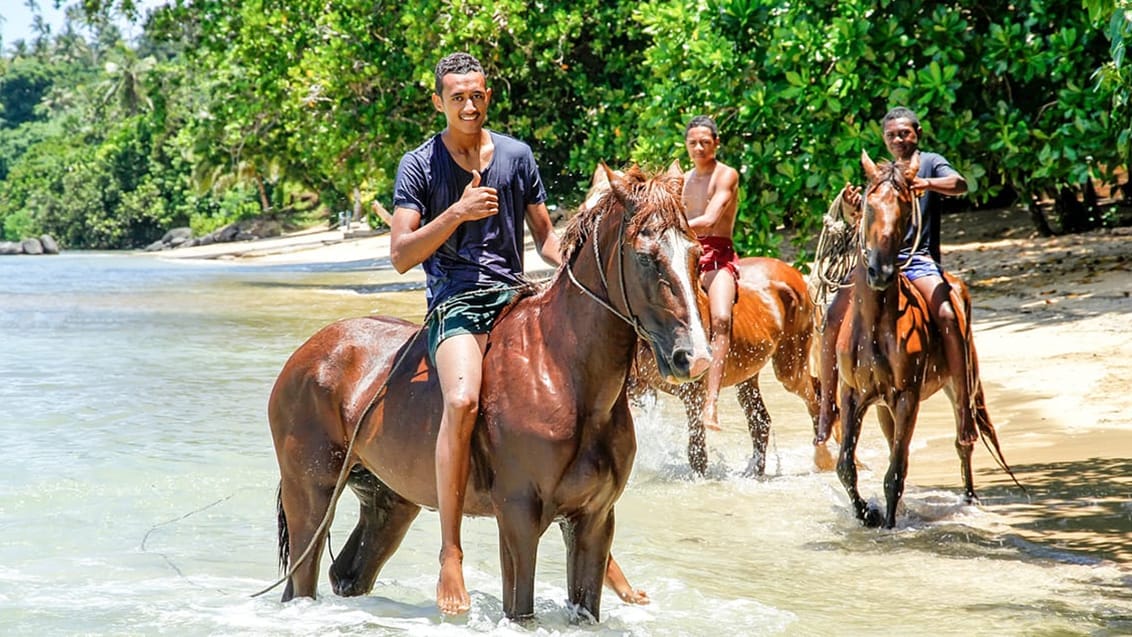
(429, 181)
(931, 165)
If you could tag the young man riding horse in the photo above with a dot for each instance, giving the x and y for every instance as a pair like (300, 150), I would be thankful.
(711, 195)
(459, 202)
(935, 177)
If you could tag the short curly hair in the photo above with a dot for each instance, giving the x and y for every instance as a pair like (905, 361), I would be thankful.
(457, 63)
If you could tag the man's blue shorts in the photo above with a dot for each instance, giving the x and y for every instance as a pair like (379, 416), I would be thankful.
(472, 312)
(920, 266)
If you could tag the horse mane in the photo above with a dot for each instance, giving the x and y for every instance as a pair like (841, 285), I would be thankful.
(893, 173)
(649, 195)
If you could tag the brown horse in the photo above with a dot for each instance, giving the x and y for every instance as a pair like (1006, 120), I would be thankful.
(772, 322)
(359, 404)
(889, 350)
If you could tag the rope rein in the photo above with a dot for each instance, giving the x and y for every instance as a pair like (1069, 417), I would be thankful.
(839, 245)
(629, 317)
(520, 283)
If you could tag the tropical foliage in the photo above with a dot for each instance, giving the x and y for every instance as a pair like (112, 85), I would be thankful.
(223, 110)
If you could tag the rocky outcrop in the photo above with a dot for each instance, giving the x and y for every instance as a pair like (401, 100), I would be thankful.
(44, 244)
(248, 230)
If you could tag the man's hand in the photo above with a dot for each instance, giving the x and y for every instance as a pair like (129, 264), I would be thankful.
(477, 202)
(851, 195)
(919, 185)
(850, 203)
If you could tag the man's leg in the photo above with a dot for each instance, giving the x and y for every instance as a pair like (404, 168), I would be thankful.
(938, 294)
(720, 286)
(459, 362)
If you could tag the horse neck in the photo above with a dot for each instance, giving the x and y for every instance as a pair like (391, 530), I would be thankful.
(599, 336)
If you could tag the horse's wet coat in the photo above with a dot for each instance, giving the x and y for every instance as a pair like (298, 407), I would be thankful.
(772, 322)
(889, 352)
(359, 403)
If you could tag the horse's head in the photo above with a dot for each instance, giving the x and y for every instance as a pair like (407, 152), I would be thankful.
(887, 214)
(645, 256)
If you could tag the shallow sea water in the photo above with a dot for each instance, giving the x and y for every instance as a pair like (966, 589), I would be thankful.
(137, 491)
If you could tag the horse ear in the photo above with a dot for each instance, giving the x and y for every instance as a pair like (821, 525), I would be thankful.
(674, 169)
(869, 165)
(620, 190)
(600, 175)
(913, 167)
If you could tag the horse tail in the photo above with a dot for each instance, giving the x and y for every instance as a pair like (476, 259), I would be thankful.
(960, 298)
(990, 436)
(283, 533)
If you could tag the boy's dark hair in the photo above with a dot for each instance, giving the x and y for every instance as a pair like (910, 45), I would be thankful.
(458, 63)
(705, 122)
(901, 112)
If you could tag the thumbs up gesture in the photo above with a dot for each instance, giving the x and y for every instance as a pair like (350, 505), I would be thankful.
(478, 202)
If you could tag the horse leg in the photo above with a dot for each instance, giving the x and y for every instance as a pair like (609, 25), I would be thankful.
(519, 531)
(383, 519)
(827, 367)
(887, 424)
(588, 540)
(792, 368)
(303, 502)
(851, 416)
(692, 395)
(758, 424)
(902, 422)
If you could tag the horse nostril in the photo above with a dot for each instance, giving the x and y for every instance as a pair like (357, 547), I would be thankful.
(681, 360)
(687, 364)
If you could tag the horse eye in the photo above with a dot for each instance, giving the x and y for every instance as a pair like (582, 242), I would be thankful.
(645, 260)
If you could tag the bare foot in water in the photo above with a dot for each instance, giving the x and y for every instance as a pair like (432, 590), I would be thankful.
(451, 594)
(711, 422)
(616, 581)
(634, 596)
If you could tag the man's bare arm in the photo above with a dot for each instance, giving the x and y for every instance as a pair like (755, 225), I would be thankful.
(410, 243)
(542, 230)
(726, 192)
(951, 185)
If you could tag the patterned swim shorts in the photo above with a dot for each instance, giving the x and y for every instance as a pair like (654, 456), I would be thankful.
(471, 312)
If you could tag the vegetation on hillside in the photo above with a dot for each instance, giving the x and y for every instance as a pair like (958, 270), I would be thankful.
(221, 110)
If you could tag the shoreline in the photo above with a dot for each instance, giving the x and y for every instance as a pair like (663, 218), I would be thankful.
(1052, 316)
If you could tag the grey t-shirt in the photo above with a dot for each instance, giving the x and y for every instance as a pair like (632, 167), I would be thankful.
(481, 253)
(931, 165)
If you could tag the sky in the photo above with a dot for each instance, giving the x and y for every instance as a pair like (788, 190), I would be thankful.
(16, 24)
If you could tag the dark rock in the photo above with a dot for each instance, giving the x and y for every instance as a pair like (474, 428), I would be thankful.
(227, 233)
(50, 245)
(181, 235)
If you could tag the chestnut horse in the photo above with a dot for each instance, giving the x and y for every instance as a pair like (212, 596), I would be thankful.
(359, 404)
(889, 350)
(772, 321)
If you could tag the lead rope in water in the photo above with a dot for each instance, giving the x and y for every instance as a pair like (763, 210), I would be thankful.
(172, 565)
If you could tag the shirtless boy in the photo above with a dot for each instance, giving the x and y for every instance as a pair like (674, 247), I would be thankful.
(711, 194)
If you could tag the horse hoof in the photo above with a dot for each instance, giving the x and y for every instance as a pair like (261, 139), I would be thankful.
(872, 518)
(756, 467)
